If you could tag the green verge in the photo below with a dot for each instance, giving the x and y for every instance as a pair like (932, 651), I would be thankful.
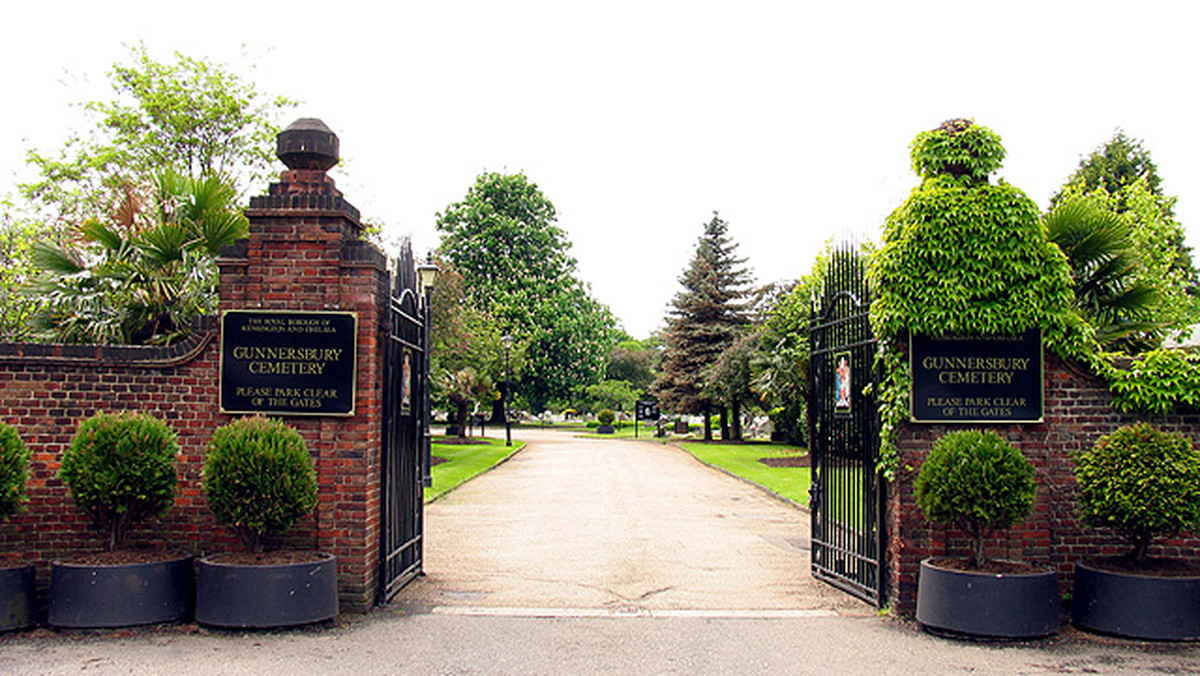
(464, 462)
(742, 460)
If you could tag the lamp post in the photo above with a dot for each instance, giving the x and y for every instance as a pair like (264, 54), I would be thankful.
(508, 341)
(427, 274)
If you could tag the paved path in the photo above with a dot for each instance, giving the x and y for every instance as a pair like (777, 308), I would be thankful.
(617, 526)
(597, 557)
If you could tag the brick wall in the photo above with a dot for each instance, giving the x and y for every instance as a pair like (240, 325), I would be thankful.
(1077, 413)
(304, 253)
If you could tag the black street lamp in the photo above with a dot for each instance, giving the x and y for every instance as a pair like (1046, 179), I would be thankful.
(427, 274)
(508, 341)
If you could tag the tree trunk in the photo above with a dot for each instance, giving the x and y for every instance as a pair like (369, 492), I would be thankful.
(707, 413)
(724, 424)
(461, 416)
(736, 409)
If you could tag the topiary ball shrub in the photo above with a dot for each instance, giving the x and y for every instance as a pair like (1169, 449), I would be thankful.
(259, 479)
(605, 417)
(976, 481)
(1142, 483)
(14, 471)
(120, 470)
(958, 147)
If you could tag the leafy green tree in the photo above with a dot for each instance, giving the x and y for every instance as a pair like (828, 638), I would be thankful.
(571, 336)
(1118, 163)
(617, 395)
(780, 366)
(142, 274)
(18, 235)
(102, 209)
(188, 115)
(467, 350)
(634, 361)
(464, 388)
(729, 381)
(706, 317)
(516, 267)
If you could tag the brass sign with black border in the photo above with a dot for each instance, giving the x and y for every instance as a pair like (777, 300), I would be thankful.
(977, 379)
(288, 363)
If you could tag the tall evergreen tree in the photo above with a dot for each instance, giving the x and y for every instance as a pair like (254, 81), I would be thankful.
(705, 318)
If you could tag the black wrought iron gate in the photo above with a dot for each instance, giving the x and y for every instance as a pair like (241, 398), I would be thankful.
(846, 495)
(405, 429)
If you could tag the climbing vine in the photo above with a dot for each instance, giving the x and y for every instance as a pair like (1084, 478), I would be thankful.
(963, 256)
(1155, 383)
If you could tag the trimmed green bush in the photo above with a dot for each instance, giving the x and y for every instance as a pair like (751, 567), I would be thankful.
(14, 471)
(1141, 482)
(259, 479)
(976, 481)
(606, 417)
(120, 470)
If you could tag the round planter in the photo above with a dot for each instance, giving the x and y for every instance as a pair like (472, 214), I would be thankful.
(997, 605)
(263, 596)
(123, 595)
(17, 597)
(1136, 606)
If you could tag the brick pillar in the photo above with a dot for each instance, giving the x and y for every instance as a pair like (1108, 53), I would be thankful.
(305, 252)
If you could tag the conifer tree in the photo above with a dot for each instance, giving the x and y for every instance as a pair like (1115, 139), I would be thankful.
(705, 318)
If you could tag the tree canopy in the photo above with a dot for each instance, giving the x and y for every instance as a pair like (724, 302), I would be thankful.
(516, 267)
(189, 115)
(124, 221)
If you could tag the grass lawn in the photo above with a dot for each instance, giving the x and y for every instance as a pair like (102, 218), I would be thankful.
(742, 460)
(464, 462)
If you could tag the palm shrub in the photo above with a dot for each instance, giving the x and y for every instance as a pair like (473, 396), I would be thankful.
(259, 478)
(1142, 483)
(120, 470)
(976, 481)
(14, 471)
(1106, 270)
(143, 272)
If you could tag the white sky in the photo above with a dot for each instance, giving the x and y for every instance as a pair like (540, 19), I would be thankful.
(638, 119)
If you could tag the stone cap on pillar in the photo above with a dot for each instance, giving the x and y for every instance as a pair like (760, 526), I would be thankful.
(307, 144)
(309, 149)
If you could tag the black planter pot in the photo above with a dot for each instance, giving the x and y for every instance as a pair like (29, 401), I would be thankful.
(125, 595)
(605, 429)
(256, 596)
(17, 597)
(987, 604)
(1136, 606)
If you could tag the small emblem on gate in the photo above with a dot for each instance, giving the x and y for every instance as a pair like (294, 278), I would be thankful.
(842, 383)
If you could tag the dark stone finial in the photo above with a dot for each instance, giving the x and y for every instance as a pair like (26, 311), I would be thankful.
(307, 144)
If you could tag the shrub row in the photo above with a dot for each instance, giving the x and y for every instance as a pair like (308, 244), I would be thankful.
(119, 470)
(1138, 481)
